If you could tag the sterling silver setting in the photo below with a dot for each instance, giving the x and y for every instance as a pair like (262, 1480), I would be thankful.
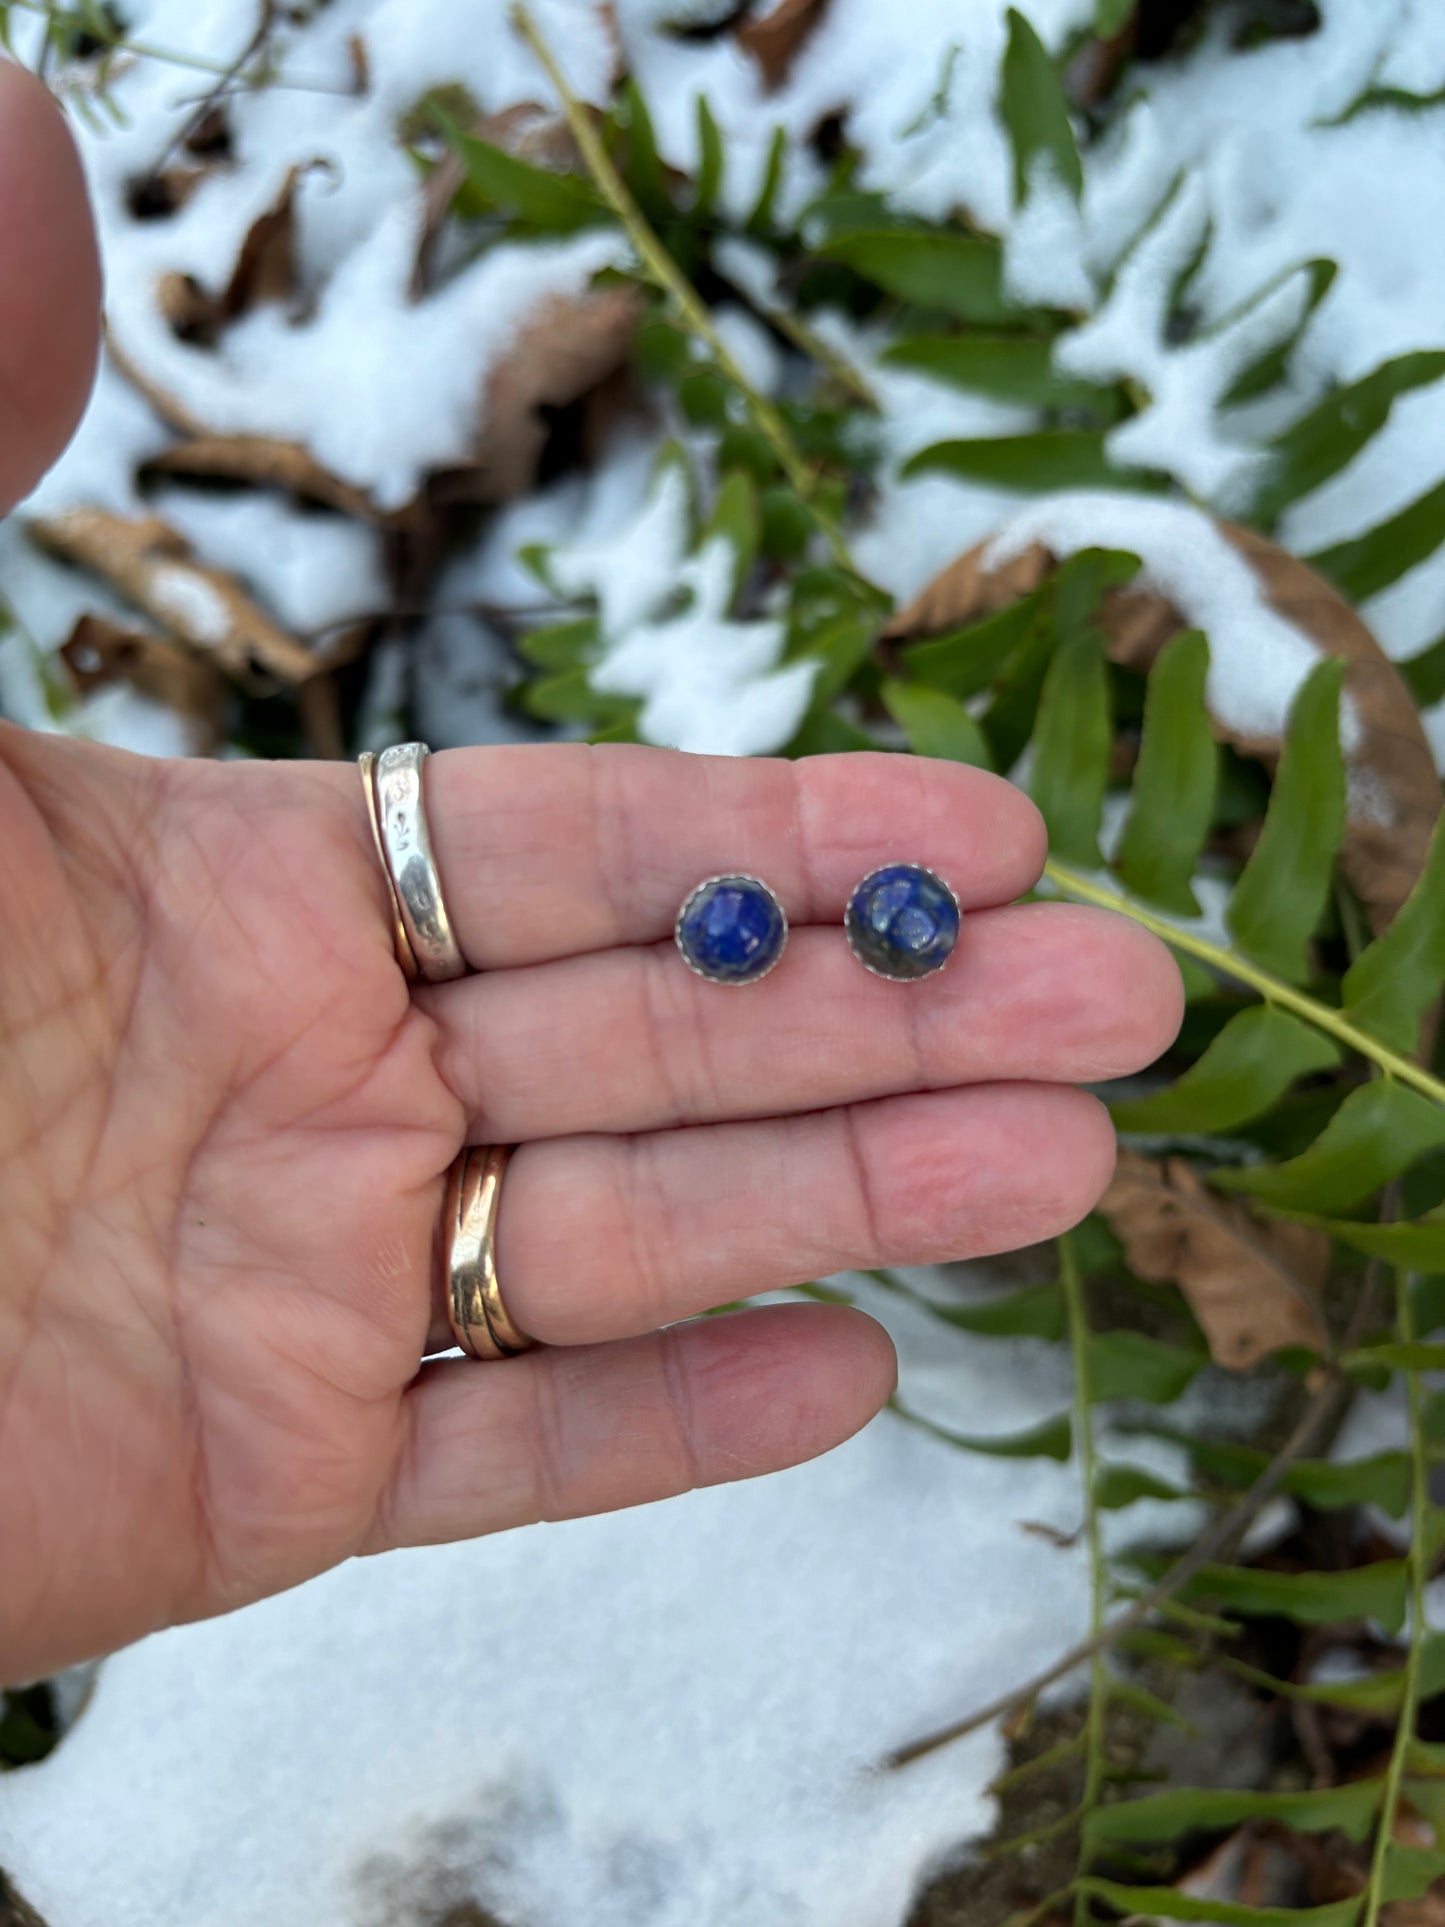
(701, 889)
(411, 867)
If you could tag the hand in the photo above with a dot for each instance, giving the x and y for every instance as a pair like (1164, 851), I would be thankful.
(224, 1124)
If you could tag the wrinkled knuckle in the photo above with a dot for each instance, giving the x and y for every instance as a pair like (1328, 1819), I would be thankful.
(547, 1447)
(650, 1232)
(675, 1373)
(673, 1026)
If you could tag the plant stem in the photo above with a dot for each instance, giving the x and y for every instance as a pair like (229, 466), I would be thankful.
(195, 63)
(666, 275)
(1094, 1761)
(1417, 1569)
(1273, 989)
(1225, 1530)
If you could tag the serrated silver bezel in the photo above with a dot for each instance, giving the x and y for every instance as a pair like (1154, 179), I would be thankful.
(729, 876)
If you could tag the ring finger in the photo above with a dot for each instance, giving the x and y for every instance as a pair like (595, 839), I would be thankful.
(605, 1237)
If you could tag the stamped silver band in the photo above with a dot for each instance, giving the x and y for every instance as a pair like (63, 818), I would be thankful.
(401, 812)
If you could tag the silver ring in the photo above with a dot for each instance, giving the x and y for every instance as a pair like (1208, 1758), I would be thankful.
(401, 811)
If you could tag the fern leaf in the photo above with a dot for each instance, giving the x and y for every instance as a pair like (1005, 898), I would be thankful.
(1376, 1134)
(1175, 780)
(1246, 1069)
(1280, 897)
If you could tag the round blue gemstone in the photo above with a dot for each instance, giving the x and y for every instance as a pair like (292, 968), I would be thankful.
(732, 930)
(902, 922)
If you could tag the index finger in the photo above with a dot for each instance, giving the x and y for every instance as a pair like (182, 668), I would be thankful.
(554, 850)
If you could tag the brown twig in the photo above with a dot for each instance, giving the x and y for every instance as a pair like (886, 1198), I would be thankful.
(1322, 1408)
(1202, 1553)
(266, 21)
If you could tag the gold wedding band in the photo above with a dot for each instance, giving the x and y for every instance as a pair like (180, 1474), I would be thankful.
(397, 803)
(366, 762)
(480, 1322)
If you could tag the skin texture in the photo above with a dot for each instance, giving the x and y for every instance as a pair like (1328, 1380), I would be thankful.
(224, 1123)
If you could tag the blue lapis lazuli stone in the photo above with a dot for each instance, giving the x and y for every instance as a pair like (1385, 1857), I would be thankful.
(732, 930)
(902, 922)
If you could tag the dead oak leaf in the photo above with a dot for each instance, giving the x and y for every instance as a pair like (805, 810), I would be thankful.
(151, 566)
(569, 347)
(100, 651)
(1254, 1287)
(772, 35)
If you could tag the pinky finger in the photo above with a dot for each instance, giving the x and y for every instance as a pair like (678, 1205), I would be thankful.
(559, 1434)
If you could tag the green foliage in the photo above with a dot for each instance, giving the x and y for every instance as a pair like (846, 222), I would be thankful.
(1375, 1135)
(547, 203)
(1281, 895)
(1052, 458)
(1390, 986)
(1169, 1903)
(1156, 1817)
(1313, 1598)
(1175, 780)
(1247, 1068)
(1009, 368)
(936, 724)
(1371, 562)
(1332, 434)
(1035, 111)
(950, 273)
(1072, 736)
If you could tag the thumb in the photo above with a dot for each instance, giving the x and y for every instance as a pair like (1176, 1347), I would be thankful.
(49, 284)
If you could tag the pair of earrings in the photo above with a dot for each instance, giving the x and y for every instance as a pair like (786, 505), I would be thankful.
(901, 923)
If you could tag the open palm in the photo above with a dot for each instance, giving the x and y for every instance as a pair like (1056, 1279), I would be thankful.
(224, 1123)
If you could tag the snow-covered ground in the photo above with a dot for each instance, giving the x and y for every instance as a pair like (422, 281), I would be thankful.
(671, 1716)
(690, 1698)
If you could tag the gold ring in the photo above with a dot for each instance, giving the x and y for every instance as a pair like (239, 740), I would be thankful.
(405, 956)
(480, 1322)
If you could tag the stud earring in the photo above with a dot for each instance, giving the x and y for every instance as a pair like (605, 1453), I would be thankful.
(902, 922)
(731, 929)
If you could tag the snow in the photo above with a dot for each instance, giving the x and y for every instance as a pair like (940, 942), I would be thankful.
(193, 605)
(1257, 660)
(1044, 252)
(671, 1715)
(315, 570)
(707, 683)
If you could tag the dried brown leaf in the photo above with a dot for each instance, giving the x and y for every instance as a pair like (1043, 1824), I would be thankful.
(264, 460)
(265, 269)
(1395, 787)
(189, 312)
(100, 651)
(165, 192)
(772, 35)
(267, 463)
(148, 563)
(1254, 1287)
(570, 346)
(966, 591)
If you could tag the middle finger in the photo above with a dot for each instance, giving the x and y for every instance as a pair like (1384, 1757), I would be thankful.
(630, 1040)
